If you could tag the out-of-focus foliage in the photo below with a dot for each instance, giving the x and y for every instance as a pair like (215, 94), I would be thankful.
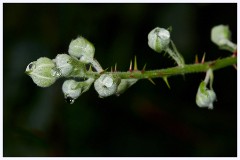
(147, 120)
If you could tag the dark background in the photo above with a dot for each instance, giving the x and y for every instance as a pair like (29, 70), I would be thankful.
(147, 120)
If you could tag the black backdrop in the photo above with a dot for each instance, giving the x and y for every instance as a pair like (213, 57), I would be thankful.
(147, 120)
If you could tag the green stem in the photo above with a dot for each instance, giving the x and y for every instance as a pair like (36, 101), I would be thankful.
(175, 55)
(161, 73)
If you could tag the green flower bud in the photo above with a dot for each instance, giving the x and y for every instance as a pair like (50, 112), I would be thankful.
(124, 85)
(73, 89)
(220, 35)
(106, 85)
(159, 39)
(205, 97)
(81, 48)
(70, 92)
(43, 72)
(63, 63)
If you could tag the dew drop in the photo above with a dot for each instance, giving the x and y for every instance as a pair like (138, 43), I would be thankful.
(69, 100)
(108, 82)
(56, 72)
(31, 66)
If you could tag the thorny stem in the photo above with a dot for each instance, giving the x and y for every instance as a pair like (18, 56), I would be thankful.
(163, 73)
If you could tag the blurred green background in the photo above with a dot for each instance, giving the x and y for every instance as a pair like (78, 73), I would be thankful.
(147, 120)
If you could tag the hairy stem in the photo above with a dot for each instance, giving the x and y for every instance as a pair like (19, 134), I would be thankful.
(161, 73)
(175, 55)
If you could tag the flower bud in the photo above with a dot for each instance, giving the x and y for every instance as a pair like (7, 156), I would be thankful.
(220, 35)
(70, 92)
(81, 48)
(63, 63)
(106, 85)
(124, 85)
(43, 72)
(205, 97)
(159, 39)
(73, 89)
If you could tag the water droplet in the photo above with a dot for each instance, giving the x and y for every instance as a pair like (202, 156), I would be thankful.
(31, 66)
(56, 72)
(69, 100)
(108, 82)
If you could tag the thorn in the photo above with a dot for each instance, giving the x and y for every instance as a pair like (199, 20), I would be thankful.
(166, 81)
(130, 67)
(115, 68)
(151, 81)
(203, 58)
(90, 69)
(135, 64)
(103, 71)
(196, 59)
(144, 67)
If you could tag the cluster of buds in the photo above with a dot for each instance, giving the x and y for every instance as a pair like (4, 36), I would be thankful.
(73, 66)
(44, 72)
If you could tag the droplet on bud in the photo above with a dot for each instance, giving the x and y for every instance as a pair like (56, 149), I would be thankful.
(69, 100)
(56, 72)
(31, 66)
(41, 72)
(63, 63)
(69, 89)
(106, 85)
(108, 82)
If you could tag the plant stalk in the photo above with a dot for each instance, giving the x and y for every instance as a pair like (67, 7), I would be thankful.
(173, 71)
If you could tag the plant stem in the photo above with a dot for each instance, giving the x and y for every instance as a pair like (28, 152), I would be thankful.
(175, 55)
(161, 73)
